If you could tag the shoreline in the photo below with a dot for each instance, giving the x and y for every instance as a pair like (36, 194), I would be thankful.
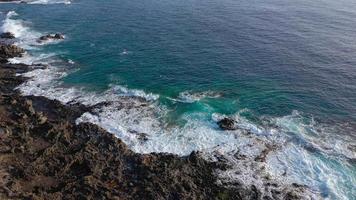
(45, 154)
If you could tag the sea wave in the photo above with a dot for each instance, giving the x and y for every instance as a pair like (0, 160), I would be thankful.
(46, 2)
(191, 97)
(125, 92)
(26, 36)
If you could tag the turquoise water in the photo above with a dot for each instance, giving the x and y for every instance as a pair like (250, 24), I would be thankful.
(280, 63)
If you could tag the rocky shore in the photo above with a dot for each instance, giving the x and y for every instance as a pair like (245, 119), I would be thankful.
(44, 154)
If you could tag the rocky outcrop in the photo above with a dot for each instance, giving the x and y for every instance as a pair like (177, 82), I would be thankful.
(9, 51)
(56, 36)
(227, 124)
(7, 35)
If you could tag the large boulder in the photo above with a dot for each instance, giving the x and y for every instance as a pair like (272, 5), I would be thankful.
(10, 51)
(7, 35)
(56, 36)
(227, 124)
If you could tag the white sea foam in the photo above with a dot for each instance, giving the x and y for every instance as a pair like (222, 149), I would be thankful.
(312, 155)
(134, 116)
(330, 176)
(71, 62)
(125, 52)
(326, 138)
(26, 37)
(45, 2)
(43, 58)
(124, 91)
(191, 97)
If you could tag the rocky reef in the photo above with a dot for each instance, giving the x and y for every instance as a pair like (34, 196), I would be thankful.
(56, 36)
(44, 154)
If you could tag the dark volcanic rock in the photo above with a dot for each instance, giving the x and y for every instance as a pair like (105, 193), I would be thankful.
(52, 158)
(7, 79)
(56, 36)
(9, 51)
(227, 124)
(7, 35)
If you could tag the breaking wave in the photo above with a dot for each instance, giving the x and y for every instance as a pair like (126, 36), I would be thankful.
(20, 29)
(191, 97)
(49, 2)
(43, 2)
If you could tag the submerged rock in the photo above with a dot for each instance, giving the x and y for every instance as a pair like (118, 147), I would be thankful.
(56, 36)
(142, 137)
(227, 124)
(7, 35)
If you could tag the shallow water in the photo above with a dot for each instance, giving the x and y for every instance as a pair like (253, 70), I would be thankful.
(284, 70)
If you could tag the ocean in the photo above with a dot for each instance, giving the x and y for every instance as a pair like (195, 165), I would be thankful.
(284, 70)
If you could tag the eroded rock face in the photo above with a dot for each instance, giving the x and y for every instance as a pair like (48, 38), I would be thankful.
(56, 36)
(7, 35)
(9, 51)
(227, 124)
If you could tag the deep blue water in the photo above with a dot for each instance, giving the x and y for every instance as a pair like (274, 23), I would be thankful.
(269, 57)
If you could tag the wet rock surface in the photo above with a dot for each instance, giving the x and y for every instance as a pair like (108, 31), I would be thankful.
(227, 124)
(7, 35)
(45, 155)
(9, 51)
(56, 36)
